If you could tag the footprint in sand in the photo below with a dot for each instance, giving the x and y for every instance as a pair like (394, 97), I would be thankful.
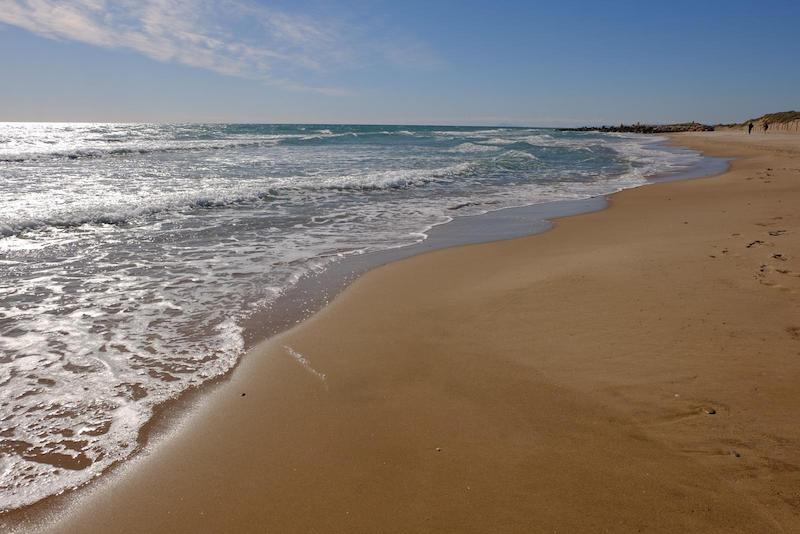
(768, 223)
(766, 276)
(777, 269)
(794, 332)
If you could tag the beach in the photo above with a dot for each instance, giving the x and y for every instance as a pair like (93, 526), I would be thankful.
(633, 369)
(140, 262)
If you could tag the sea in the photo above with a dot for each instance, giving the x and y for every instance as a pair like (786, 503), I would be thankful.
(133, 257)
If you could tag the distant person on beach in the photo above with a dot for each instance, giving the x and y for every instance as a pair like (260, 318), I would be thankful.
(766, 127)
(749, 128)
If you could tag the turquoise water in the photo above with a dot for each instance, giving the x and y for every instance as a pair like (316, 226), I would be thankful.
(131, 256)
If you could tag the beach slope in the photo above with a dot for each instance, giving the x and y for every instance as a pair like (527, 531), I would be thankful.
(634, 369)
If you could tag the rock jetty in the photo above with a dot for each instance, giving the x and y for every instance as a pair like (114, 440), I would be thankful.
(645, 128)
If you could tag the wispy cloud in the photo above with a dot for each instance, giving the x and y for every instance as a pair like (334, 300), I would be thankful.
(230, 37)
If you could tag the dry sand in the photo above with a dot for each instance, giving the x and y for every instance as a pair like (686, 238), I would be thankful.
(632, 370)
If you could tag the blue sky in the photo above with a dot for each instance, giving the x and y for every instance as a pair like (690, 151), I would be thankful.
(408, 62)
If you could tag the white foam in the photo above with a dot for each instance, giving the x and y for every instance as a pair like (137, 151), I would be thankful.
(131, 276)
(474, 147)
(303, 361)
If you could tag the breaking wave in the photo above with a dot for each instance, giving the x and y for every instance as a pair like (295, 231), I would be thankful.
(134, 255)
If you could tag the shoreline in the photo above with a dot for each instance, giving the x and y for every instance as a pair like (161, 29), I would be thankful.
(394, 267)
(314, 291)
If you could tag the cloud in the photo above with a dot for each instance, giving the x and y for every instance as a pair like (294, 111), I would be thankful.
(230, 37)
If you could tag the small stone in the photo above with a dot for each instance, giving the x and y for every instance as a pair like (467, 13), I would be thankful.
(243, 394)
(438, 449)
(710, 411)
(736, 453)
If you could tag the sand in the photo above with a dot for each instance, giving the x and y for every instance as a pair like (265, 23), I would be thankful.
(632, 370)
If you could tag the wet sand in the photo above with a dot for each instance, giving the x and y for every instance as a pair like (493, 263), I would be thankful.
(633, 369)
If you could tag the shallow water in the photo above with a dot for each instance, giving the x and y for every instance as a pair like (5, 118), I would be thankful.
(132, 256)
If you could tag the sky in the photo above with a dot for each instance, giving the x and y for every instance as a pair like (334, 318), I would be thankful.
(534, 63)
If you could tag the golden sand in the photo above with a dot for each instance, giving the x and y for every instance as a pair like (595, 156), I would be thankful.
(632, 370)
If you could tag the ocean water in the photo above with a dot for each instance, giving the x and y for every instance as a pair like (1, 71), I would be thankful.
(131, 255)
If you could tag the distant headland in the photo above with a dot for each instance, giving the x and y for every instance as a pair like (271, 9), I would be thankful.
(784, 121)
